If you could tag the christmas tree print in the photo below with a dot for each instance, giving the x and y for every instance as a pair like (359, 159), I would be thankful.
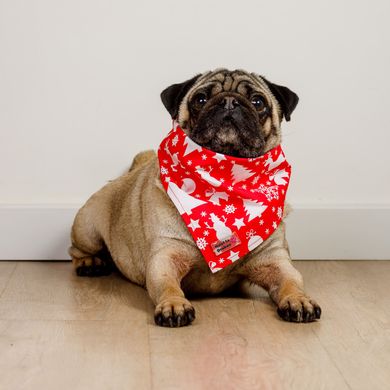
(191, 146)
(240, 173)
(253, 209)
(182, 200)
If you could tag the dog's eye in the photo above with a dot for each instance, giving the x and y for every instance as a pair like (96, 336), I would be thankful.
(200, 99)
(257, 101)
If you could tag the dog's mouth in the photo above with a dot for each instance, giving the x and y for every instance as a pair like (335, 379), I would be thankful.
(230, 138)
(235, 132)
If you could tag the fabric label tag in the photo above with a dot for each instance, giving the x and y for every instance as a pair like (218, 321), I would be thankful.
(224, 245)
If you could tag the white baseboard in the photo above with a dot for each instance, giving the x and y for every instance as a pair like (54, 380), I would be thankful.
(41, 232)
(342, 232)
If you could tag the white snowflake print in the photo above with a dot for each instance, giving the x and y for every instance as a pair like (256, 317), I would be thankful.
(269, 192)
(206, 233)
(229, 209)
(201, 243)
(189, 162)
(230, 188)
(266, 231)
(255, 180)
(165, 161)
(164, 170)
(204, 157)
(280, 212)
(257, 162)
(222, 167)
(274, 225)
(283, 192)
(222, 180)
(197, 196)
(174, 141)
(261, 222)
(244, 187)
(203, 213)
(167, 179)
(187, 173)
(273, 209)
(268, 183)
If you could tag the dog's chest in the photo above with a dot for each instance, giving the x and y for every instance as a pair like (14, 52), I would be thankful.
(200, 280)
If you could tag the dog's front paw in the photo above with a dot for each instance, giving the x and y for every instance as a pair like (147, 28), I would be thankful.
(299, 308)
(174, 312)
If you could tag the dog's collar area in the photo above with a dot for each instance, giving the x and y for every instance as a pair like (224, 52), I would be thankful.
(229, 204)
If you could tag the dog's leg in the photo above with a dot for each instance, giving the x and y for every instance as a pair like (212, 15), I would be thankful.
(284, 284)
(165, 271)
(87, 250)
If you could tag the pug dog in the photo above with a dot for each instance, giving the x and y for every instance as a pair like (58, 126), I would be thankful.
(132, 222)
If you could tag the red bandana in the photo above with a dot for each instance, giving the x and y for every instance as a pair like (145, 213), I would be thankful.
(229, 204)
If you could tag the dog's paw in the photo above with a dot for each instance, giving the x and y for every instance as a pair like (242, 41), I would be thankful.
(174, 312)
(299, 308)
(92, 266)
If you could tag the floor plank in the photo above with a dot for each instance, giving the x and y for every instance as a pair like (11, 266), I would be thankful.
(52, 291)
(73, 355)
(61, 331)
(355, 330)
(6, 270)
(240, 344)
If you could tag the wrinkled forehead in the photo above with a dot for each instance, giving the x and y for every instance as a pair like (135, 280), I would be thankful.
(224, 80)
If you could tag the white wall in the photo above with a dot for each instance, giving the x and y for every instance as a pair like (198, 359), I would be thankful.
(80, 83)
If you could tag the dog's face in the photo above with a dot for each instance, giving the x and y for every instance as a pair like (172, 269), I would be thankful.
(231, 112)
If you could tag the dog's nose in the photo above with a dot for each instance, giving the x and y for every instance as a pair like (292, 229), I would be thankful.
(230, 103)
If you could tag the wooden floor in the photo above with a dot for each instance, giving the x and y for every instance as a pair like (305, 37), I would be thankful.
(59, 331)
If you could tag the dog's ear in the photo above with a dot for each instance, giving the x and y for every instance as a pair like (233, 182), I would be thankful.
(286, 98)
(173, 95)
